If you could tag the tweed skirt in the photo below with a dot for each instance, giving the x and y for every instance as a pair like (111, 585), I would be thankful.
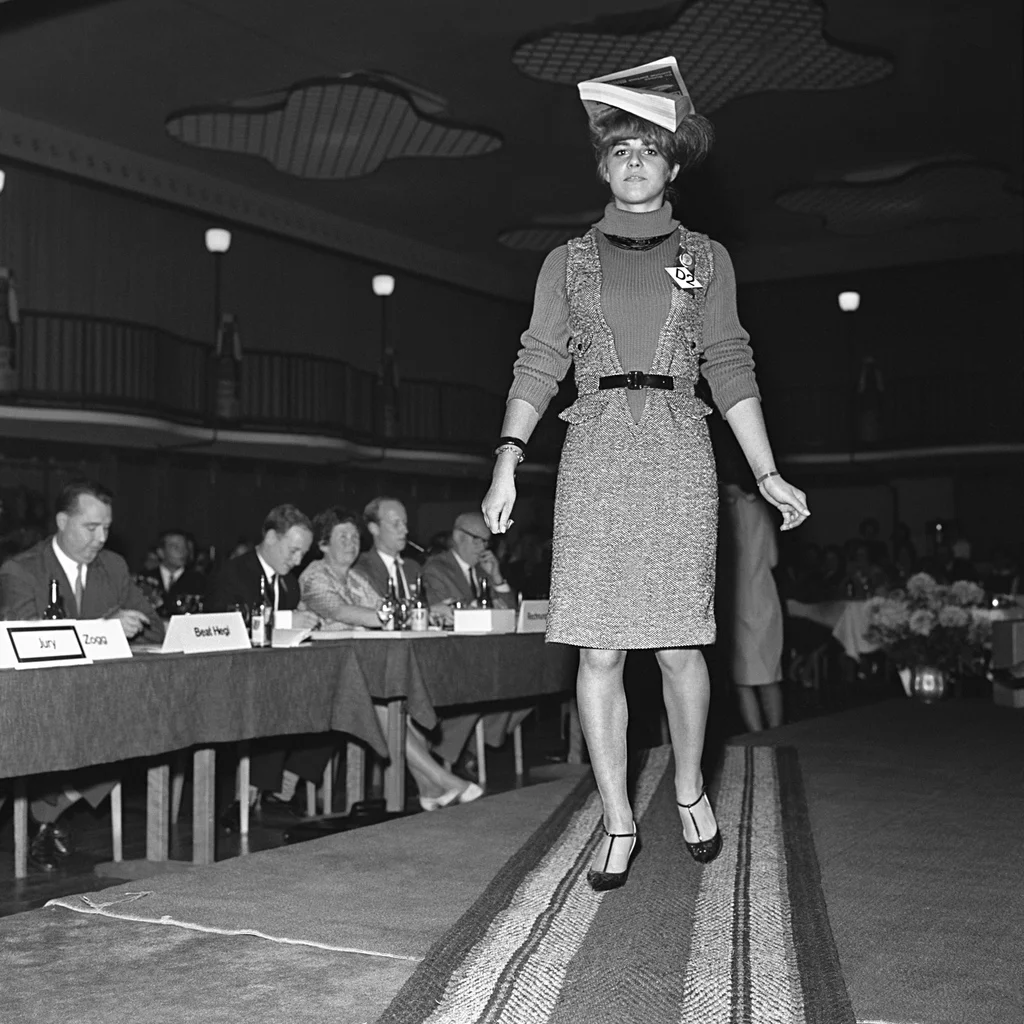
(635, 531)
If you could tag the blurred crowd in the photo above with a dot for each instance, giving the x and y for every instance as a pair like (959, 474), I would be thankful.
(867, 564)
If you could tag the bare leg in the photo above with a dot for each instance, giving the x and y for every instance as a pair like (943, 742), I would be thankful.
(603, 717)
(687, 692)
(430, 777)
(771, 699)
(750, 710)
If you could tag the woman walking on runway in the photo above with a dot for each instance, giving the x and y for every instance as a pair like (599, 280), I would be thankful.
(636, 500)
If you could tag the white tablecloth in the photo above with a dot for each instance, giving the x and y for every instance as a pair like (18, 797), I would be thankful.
(848, 621)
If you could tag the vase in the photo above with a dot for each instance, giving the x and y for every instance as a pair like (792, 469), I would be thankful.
(925, 683)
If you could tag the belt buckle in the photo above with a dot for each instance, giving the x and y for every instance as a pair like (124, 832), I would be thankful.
(635, 380)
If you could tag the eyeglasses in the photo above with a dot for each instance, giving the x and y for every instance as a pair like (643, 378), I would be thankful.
(475, 536)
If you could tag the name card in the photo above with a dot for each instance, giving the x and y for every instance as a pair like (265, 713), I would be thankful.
(41, 645)
(103, 639)
(533, 617)
(282, 620)
(485, 620)
(210, 631)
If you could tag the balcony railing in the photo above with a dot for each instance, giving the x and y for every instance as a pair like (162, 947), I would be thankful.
(103, 364)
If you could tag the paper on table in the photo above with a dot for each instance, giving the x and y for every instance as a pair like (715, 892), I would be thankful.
(288, 637)
(373, 634)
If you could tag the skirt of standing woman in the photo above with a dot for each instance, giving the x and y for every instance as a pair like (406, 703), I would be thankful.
(635, 531)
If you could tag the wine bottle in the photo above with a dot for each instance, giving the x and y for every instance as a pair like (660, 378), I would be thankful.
(389, 607)
(55, 607)
(484, 601)
(419, 616)
(258, 632)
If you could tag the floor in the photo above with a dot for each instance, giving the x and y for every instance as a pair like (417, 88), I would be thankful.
(543, 744)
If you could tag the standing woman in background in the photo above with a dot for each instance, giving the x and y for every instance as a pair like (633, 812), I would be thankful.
(636, 501)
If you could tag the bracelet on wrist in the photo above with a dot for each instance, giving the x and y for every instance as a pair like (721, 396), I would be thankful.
(518, 442)
(515, 449)
(764, 476)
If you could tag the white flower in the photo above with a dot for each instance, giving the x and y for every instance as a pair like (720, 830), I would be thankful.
(964, 592)
(953, 617)
(920, 585)
(922, 621)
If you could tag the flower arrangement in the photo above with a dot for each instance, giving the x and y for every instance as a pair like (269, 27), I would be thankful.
(934, 624)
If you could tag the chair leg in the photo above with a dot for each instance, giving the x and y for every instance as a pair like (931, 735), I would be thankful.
(116, 823)
(355, 775)
(517, 744)
(311, 799)
(177, 788)
(481, 754)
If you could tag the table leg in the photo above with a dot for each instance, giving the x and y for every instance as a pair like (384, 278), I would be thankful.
(394, 772)
(158, 810)
(204, 764)
(20, 829)
(243, 789)
(355, 775)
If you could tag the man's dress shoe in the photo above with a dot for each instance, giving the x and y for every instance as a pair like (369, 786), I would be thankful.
(50, 846)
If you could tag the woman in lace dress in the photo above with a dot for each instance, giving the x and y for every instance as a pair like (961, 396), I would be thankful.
(642, 308)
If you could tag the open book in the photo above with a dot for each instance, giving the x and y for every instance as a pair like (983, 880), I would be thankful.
(653, 91)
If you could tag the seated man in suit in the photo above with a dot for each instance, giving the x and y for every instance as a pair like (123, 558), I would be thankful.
(93, 584)
(287, 536)
(388, 524)
(172, 578)
(456, 575)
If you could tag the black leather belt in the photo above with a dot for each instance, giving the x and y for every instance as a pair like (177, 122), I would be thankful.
(635, 380)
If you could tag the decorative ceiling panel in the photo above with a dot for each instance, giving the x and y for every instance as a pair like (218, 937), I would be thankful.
(333, 128)
(952, 192)
(725, 49)
(547, 231)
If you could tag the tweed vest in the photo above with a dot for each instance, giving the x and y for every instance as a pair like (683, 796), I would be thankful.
(593, 346)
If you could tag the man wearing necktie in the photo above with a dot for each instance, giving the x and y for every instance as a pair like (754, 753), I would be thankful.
(172, 578)
(94, 584)
(276, 765)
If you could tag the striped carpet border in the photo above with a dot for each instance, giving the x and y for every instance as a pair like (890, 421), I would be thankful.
(744, 940)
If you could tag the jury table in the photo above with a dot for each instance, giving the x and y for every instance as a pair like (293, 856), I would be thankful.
(60, 719)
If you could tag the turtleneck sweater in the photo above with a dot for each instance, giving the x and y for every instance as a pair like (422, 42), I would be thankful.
(636, 294)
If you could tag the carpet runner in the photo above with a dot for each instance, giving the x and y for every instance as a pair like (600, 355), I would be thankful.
(744, 940)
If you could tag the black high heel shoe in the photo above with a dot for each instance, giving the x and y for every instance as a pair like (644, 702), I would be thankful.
(704, 850)
(600, 881)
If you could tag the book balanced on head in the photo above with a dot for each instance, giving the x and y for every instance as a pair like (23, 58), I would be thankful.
(653, 91)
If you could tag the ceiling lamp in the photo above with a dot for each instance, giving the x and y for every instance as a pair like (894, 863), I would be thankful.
(849, 302)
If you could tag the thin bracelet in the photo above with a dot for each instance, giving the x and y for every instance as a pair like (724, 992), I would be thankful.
(510, 448)
(520, 444)
(761, 479)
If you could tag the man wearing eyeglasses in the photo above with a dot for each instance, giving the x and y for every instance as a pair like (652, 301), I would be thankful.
(456, 575)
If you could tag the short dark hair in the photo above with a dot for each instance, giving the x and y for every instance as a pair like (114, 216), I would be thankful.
(282, 518)
(372, 511)
(325, 522)
(170, 532)
(687, 146)
(67, 500)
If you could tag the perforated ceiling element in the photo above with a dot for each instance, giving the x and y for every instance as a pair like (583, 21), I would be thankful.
(343, 127)
(537, 239)
(725, 48)
(953, 192)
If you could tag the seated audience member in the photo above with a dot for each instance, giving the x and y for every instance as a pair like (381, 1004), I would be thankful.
(455, 575)
(342, 597)
(945, 567)
(904, 554)
(287, 535)
(388, 526)
(870, 532)
(864, 577)
(94, 584)
(172, 578)
(833, 573)
(1002, 574)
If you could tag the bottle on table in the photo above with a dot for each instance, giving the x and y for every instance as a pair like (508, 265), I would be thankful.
(484, 599)
(262, 622)
(419, 613)
(388, 610)
(55, 606)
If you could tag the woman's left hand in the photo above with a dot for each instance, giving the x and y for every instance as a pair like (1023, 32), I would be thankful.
(789, 500)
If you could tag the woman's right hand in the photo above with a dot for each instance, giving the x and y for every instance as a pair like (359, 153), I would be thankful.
(498, 501)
